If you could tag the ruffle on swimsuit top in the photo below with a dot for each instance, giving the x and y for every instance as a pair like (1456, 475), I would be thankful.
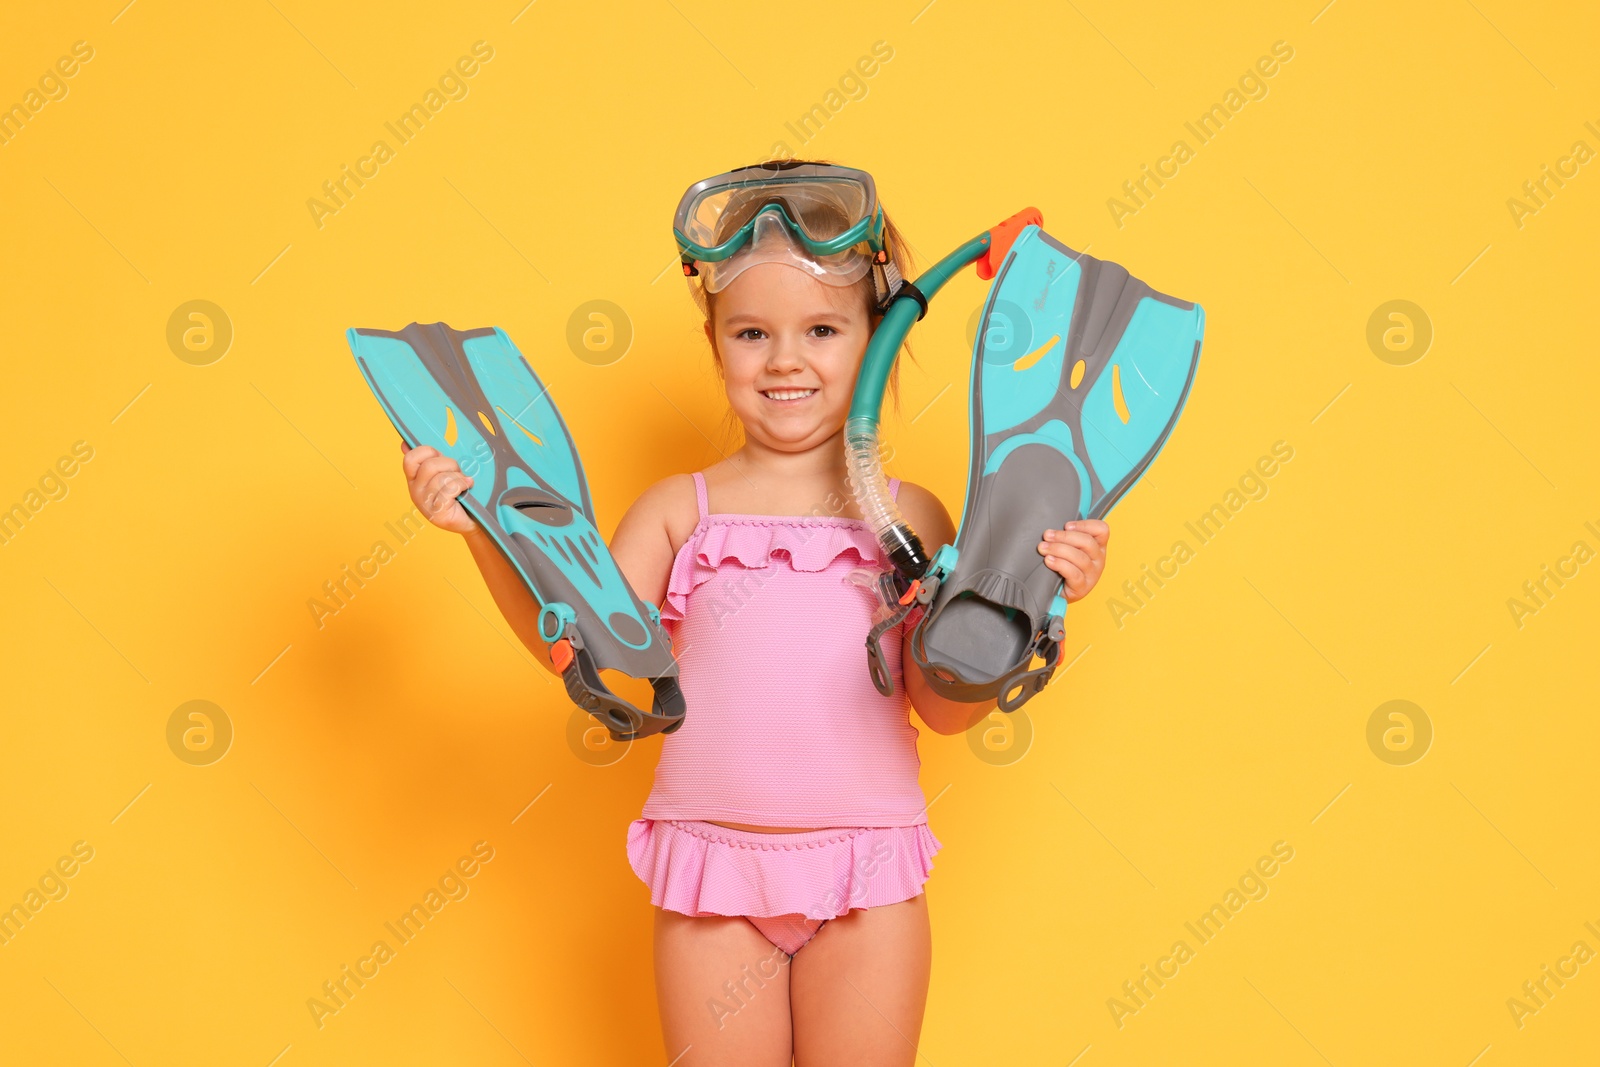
(809, 543)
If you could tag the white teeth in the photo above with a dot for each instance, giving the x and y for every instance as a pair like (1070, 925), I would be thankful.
(786, 394)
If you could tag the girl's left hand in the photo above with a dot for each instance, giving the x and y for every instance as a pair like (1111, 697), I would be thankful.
(1077, 552)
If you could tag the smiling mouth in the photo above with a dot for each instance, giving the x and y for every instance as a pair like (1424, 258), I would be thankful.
(787, 395)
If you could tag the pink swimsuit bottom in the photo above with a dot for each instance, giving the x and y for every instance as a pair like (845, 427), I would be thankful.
(784, 728)
(786, 885)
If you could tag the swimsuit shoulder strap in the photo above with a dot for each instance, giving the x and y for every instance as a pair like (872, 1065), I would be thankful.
(700, 495)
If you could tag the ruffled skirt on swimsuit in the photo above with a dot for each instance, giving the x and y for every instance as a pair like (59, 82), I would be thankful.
(786, 884)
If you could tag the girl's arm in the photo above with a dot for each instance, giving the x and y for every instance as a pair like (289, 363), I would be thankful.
(435, 481)
(511, 594)
(641, 545)
(1078, 552)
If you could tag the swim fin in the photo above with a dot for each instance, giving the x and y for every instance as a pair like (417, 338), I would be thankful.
(471, 395)
(1079, 374)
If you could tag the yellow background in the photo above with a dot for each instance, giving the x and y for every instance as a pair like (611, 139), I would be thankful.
(1229, 713)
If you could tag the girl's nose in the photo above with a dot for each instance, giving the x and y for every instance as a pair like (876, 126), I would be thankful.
(784, 354)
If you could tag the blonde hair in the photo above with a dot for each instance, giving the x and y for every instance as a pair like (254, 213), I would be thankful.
(899, 251)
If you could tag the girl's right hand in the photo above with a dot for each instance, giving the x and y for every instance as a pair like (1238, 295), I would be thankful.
(434, 480)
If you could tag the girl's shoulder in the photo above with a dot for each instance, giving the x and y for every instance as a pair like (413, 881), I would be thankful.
(670, 506)
(657, 524)
(926, 514)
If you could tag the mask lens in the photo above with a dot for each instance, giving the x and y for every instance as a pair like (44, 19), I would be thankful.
(822, 209)
(772, 242)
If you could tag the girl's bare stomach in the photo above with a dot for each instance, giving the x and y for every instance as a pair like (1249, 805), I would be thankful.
(767, 829)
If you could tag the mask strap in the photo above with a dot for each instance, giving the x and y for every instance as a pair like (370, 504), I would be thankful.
(889, 286)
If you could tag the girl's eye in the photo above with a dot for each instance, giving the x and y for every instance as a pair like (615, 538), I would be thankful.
(751, 334)
(828, 331)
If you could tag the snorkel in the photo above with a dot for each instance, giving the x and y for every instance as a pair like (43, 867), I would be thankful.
(915, 576)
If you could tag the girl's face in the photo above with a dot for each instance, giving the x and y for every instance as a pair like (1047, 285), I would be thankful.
(791, 348)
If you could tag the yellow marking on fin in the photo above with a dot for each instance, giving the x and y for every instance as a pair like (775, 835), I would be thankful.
(449, 426)
(487, 425)
(1035, 356)
(531, 435)
(1077, 373)
(1117, 399)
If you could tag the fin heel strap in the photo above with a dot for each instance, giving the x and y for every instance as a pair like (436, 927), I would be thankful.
(622, 720)
(1032, 682)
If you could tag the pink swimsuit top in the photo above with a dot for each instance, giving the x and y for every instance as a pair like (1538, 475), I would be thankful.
(784, 727)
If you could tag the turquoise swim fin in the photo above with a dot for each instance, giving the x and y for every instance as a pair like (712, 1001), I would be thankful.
(471, 395)
(1079, 374)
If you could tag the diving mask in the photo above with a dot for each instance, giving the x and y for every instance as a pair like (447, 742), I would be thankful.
(817, 217)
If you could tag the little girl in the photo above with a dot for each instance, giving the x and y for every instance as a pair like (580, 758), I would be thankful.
(785, 842)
